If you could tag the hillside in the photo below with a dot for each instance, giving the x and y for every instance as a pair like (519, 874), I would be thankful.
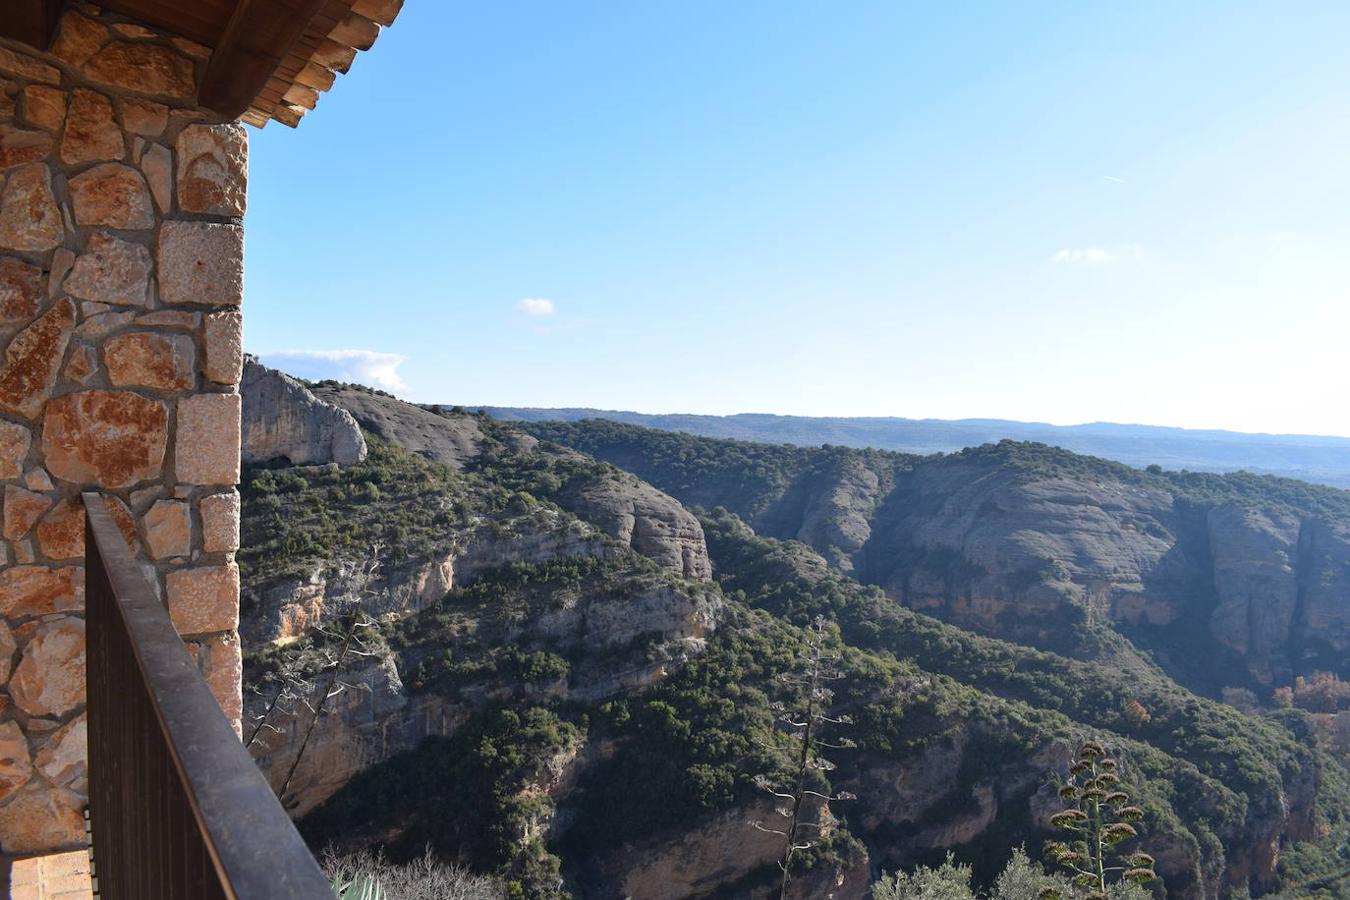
(570, 676)
(1028, 542)
(1316, 458)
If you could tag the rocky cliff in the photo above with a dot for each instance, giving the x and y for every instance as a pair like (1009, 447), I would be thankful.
(283, 420)
(1029, 542)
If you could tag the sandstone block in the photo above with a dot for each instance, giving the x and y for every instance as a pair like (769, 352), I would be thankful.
(112, 194)
(20, 290)
(221, 664)
(38, 480)
(14, 442)
(50, 678)
(201, 263)
(33, 360)
(135, 32)
(220, 522)
(145, 117)
(165, 362)
(44, 106)
(16, 767)
(208, 439)
(19, 146)
(62, 260)
(60, 534)
(112, 439)
(111, 270)
(23, 553)
(91, 133)
(213, 169)
(224, 340)
(157, 164)
(78, 39)
(35, 590)
(143, 69)
(123, 519)
(97, 325)
(82, 365)
(168, 529)
(205, 599)
(62, 758)
(29, 216)
(7, 647)
(39, 818)
(22, 509)
(26, 67)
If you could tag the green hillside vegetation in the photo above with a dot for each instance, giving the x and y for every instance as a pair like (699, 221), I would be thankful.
(690, 746)
(654, 763)
(741, 475)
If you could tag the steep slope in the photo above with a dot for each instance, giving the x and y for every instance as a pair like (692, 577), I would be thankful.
(1032, 543)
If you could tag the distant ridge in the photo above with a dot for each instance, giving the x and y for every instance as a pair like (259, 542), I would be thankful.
(1316, 458)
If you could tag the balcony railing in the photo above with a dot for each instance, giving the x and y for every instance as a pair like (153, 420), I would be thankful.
(177, 807)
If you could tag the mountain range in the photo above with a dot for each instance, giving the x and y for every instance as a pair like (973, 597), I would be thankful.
(1321, 459)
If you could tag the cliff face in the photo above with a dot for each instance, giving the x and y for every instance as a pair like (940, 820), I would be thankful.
(284, 421)
(1028, 543)
(991, 550)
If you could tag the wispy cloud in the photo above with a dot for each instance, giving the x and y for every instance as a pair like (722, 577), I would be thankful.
(535, 306)
(1115, 178)
(368, 367)
(1085, 256)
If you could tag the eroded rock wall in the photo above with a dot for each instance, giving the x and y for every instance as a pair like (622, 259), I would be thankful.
(284, 421)
(120, 283)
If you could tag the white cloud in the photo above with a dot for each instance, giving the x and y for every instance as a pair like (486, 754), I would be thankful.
(368, 367)
(535, 306)
(1086, 255)
(1116, 178)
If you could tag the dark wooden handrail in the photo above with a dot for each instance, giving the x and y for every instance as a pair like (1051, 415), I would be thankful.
(177, 806)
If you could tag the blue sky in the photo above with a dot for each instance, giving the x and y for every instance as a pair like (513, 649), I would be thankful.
(1138, 212)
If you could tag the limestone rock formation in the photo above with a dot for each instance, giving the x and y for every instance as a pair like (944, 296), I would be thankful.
(451, 440)
(622, 506)
(651, 522)
(283, 420)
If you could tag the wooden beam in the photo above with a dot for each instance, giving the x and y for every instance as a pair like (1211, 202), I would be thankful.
(32, 22)
(256, 40)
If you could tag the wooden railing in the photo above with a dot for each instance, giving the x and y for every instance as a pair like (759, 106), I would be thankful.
(177, 807)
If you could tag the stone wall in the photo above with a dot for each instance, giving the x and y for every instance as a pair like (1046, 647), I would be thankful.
(120, 284)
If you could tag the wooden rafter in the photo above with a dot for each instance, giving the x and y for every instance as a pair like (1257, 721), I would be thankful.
(31, 21)
(257, 39)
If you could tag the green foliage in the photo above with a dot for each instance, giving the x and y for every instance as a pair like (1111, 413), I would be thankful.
(466, 796)
(1021, 879)
(744, 476)
(949, 881)
(296, 520)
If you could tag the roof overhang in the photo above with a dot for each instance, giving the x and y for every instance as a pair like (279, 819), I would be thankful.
(269, 59)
